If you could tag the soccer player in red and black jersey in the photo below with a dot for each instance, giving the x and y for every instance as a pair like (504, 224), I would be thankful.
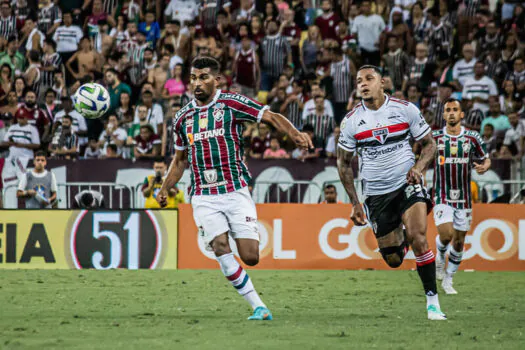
(208, 136)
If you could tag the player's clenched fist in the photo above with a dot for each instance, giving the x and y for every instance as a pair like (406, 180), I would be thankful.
(358, 215)
(162, 198)
(414, 176)
(303, 141)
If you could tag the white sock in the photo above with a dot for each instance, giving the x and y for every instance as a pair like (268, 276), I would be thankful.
(441, 248)
(433, 300)
(454, 259)
(239, 279)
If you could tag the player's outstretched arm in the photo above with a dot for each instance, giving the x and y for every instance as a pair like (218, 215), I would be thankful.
(428, 152)
(177, 166)
(282, 124)
(346, 174)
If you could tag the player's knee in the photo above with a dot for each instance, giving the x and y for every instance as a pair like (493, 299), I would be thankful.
(419, 243)
(458, 244)
(220, 246)
(251, 258)
(393, 256)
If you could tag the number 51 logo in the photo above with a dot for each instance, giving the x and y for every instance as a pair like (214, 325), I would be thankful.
(116, 239)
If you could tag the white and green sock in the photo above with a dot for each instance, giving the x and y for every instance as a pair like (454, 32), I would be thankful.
(441, 248)
(454, 259)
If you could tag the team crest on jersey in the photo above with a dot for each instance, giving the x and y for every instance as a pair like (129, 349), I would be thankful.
(466, 147)
(454, 194)
(210, 176)
(218, 111)
(380, 134)
(203, 123)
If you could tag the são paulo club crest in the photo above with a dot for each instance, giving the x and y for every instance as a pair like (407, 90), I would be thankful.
(380, 134)
(218, 111)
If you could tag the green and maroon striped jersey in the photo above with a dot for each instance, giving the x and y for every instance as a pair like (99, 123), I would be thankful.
(213, 136)
(453, 164)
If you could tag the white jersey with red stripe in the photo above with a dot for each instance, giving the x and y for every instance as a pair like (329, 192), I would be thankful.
(381, 139)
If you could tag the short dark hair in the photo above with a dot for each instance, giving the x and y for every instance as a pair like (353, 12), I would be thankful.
(175, 22)
(51, 43)
(34, 55)
(112, 70)
(451, 100)
(86, 199)
(308, 127)
(113, 147)
(369, 66)
(207, 62)
(67, 116)
(159, 160)
(40, 154)
(28, 91)
(50, 90)
(330, 186)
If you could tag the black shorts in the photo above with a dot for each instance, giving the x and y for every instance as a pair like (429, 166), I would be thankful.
(384, 211)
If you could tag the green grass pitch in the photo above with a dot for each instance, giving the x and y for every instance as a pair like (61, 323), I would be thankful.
(200, 310)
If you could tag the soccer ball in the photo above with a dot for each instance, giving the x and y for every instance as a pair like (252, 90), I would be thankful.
(91, 100)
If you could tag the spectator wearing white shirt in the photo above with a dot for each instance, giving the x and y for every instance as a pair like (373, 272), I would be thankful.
(67, 37)
(464, 68)
(514, 142)
(184, 11)
(480, 88)
(155, 114)
(309, 106)
(331, 144)
(113, 135)
(22, 139)
(368, 28)
(79, 126)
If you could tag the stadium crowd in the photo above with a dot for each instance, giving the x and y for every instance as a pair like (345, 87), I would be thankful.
(300, 57)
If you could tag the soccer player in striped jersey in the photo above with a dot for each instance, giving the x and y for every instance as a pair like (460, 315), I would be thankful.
(457, 148)
(208, 136)
(379, 130)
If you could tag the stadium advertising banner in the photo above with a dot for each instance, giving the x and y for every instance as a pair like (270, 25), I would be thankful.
(80, 239)
(300, 236)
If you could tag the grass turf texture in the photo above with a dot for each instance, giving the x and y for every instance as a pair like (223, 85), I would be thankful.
(200, 310)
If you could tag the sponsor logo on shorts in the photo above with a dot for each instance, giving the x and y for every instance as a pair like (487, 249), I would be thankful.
(250, 219)
(439, 214)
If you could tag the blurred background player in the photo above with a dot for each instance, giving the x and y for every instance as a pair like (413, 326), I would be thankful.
(456, 150)
(209, 129)
(379, 130)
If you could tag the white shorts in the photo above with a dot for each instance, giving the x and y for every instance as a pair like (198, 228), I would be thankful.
(232, 212)
(461, 218)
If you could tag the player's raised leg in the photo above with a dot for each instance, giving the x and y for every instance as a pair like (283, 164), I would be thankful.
(233, 271)
(415, 221)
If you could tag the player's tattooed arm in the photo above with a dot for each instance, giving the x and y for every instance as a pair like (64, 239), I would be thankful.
(428, 152)
(175, 172)
(346, 174)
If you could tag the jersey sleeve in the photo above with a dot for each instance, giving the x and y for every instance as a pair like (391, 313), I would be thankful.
(480, 149)
(347, 137)
(180, 141)
(245, 109)
(417, 123)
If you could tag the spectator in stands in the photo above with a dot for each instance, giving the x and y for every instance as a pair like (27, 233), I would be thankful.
(294, 104)
(167, 131)
(14, 58)
(159, 75)
(134, 130)
(489, 139)
(93, 150)
(341, 71)
(87, 60)
(246, 69)
(155, 115)
(33, 73)
(413, 95)
(147, 143)
(245, 12)
(327, 21)
(38, 186)
(518, 74)
(499, 121)
(184, 11)
(514, 142)
(9, 25)
(49, 17)
(115, 88)
(279, 100)
(126, 111)
(152, 185)
(321, 120)
(50, 103)
(21, 138)
(65, 143)
(151, 27)
(260, 141)
(331, 144)
(303, 155)
(33, 37)
(276, 52)
(6, 81)
(88, 199)
(464, 68)
(9, 110)
(368, 27)
(275, 151)
(35, 115)
(67, 37)
(311, 49)
(480, 88)
(330, 195)
(174, 86)
(474, 117)
(79, 126)
(112, 152)
(510, 98)
(112, 135)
